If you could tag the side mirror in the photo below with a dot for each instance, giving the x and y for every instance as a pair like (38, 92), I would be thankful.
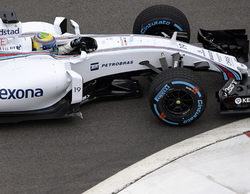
(60, 25)
(8, 17)
(83, 55)
(75, 26)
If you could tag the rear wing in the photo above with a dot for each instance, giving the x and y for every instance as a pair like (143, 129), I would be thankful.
(232, 42)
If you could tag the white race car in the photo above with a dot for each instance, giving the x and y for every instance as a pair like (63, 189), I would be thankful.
(43, 85)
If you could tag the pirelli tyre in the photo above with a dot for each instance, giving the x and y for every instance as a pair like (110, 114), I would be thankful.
(162, 18)
(176, 97)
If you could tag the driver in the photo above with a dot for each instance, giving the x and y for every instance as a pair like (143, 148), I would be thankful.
(45, 41)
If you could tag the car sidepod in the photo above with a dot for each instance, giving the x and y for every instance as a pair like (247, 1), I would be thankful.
(36, 85)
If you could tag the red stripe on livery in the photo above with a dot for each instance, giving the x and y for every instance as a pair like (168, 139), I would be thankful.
(229, 74)
(247, 133)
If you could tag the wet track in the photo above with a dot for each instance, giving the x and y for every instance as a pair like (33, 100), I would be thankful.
(72, 155)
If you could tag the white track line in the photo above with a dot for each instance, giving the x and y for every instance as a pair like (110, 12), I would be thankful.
(138, 170)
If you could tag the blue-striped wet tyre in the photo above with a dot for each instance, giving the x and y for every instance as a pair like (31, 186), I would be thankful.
(162, 18)
(176, 96)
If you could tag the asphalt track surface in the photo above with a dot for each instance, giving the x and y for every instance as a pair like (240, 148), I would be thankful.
(72, 155)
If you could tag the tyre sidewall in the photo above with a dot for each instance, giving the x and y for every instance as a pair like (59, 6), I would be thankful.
(150, 26)
(163, 89)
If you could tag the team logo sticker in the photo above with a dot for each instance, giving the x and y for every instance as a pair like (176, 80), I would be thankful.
(237, 100)
(242, 100)
(94, 66)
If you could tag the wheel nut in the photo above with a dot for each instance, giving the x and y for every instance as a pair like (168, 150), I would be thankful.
(178, 102)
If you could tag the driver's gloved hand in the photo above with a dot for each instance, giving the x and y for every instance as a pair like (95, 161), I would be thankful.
(78, 43)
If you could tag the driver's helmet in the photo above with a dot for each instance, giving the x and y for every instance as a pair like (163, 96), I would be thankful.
(44, 41)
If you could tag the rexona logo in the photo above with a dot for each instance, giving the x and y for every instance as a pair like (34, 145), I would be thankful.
(4, 32)
(12, 94)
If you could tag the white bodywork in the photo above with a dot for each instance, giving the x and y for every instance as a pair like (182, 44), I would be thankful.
(23, 72)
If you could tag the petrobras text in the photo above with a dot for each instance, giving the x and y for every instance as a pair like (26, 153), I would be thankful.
(12, 94)
(95, 66)
(117, 63)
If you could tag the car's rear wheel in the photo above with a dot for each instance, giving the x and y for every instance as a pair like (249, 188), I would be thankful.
(160, 19)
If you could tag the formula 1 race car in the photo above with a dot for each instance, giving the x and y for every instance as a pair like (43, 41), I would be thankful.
(45, 85)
